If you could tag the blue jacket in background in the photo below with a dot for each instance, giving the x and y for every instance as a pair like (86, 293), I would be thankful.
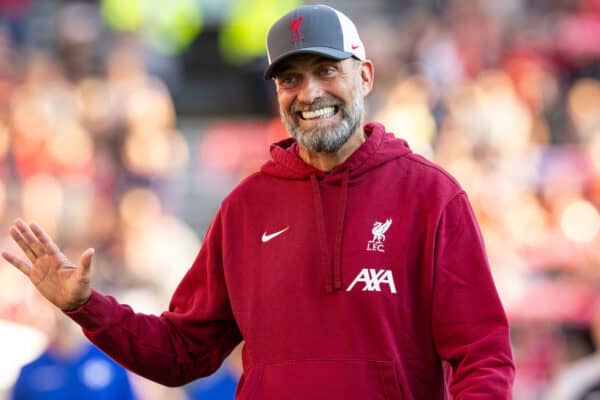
(88, 374)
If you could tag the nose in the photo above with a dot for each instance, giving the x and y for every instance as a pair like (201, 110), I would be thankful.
(310, 90)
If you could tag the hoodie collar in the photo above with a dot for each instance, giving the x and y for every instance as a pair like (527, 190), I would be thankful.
(378, 148)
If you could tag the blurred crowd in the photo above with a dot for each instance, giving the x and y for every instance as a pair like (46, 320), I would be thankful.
(505, 95)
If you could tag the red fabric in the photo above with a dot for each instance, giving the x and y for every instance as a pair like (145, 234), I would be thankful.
(307, 337)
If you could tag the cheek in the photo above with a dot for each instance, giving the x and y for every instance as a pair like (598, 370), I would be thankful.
(285, 102)
(345, 90)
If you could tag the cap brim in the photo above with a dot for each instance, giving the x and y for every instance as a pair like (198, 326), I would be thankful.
(323, 51)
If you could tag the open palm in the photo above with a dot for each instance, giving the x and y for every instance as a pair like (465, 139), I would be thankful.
(63, 283)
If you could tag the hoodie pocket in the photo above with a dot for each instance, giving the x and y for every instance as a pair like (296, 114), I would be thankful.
(322, 380)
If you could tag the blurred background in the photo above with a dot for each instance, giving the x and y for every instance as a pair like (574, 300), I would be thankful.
(123, 124)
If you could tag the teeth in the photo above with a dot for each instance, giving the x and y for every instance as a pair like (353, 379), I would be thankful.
(324, 112)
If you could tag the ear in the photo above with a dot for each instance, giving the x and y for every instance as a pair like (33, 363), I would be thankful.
(366, 72)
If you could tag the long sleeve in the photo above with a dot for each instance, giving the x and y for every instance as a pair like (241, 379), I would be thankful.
(188, 341)
(469, 324)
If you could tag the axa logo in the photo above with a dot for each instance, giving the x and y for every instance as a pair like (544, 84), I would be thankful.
(373, 279)
(378, 231)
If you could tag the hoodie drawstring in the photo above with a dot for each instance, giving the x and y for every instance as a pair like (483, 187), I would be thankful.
(337, 256)
(320, 220)
(331, 267)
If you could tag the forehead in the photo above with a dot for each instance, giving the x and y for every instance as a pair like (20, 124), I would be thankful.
(304, 62)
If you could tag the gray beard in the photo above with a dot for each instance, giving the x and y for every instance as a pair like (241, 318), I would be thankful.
(327, 138)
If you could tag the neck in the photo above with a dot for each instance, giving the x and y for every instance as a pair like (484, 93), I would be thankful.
(328, 161)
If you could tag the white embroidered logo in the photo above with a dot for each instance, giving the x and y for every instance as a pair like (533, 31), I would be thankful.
(378, 231)
(373, 279)
(265, 238)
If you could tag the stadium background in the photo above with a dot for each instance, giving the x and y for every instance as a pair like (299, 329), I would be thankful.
(123, 123)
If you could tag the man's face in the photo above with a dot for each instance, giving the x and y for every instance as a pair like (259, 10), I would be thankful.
(320, 100)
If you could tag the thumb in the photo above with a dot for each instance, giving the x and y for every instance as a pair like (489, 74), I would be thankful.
(85, 262)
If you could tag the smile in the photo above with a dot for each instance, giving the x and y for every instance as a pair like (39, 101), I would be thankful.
(320, 113)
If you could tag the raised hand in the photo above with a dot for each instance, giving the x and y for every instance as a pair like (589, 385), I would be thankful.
(63, 283)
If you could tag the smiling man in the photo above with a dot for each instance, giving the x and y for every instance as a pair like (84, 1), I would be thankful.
(351, 267)
(321, 102)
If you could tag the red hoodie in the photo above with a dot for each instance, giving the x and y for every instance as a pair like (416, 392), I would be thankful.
(352, 284)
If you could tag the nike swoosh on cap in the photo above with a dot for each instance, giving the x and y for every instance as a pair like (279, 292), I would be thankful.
(266, 238)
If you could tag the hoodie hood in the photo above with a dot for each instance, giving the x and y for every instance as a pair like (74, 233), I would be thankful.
(379, 148)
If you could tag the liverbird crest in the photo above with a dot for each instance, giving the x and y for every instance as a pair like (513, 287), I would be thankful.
(295, 30)
(379, 230)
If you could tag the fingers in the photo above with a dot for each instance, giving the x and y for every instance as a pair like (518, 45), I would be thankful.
(21, 265)
(22, 243)
(46, 241)
(35, 242)
(30, 239)
(85, 262)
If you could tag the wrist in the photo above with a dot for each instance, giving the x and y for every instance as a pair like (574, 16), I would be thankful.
(75, 305)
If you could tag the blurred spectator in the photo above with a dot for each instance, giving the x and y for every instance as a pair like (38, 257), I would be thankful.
(71, 369)
(580, 379)
(13, 17)
(151, 148)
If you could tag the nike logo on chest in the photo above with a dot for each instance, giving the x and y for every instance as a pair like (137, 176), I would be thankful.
(266, 237)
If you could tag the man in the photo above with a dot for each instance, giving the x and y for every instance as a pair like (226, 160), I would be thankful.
(351, 267)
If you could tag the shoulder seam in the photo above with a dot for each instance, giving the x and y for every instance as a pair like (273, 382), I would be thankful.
(435, 167)
(452, 198)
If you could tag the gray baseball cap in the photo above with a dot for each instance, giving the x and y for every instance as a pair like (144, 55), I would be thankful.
(313, 29)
